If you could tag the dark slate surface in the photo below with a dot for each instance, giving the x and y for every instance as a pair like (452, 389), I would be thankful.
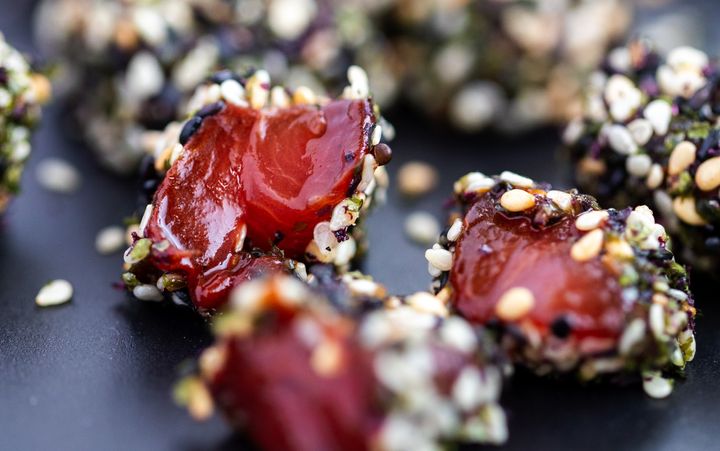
(97, 373)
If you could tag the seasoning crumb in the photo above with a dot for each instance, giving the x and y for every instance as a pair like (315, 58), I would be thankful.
(417, 178)
(57, 292)
(110, 239)
(57, 175)
(422, 227)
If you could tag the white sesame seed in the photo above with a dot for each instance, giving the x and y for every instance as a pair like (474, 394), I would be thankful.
(324, 237)
(233, 92)
(145, 219)
(368, 172)
(514, 304)
(54, 293)
(257, 88)
(516, 179)
(659, 113)
(416, 178)
(655, 176)
(455, 230)
(621, 140)
(439, 258)
(147, 292)
(656, 319)
(304, 96)
(684, 208)
(110, 239)
(279, 98)
(433, 271)
(573, 131)
(469, 389)
(248, 296)
(707, 176)
(144, 76)
(376, 135)
(641, 131)
(517, 200)
(422, 227)
(633, 334)
(358, 82)
(55, 174)
(682, 156)
(591, 220)
(588, 247)
(344, 215)
(327, 358)
(345, 252)
(657, 386)
(562, 199)
(638, 165)
(687, 57)
(427, 303)
(458, 333)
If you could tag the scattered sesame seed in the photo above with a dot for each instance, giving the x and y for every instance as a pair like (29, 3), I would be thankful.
(110, 239)
(417, 178)
(55, 174)
(422, 227)
(57, 292)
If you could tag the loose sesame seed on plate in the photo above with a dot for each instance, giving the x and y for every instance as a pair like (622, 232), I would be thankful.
(57, 292)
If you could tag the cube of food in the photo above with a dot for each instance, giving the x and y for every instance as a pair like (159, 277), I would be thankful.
(259, 169)
(571, 287)
(297, 368)
(649, 135)
(21, 93)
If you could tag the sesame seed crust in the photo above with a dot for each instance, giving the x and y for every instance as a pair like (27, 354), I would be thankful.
(22, 92)
(648, 135)
(338, 241)
(346, 333)
(628, 243)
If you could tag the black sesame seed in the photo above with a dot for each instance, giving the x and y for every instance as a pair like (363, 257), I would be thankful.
(189, 129)
(222, 76)
(209, 110)
(383, 154)
(560, 327)
(277, 237)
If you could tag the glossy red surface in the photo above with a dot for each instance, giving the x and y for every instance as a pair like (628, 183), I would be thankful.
(272, 173)
(496, 253)
(269, 385)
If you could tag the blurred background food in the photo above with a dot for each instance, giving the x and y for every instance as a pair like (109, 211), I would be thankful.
(127, 66)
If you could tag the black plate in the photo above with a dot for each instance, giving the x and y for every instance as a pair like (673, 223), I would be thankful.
(97, 373)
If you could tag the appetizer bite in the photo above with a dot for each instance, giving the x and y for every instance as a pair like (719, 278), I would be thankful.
(262, 170)
(134, 63)
(514, 64)
(21, 93)
(649, 134)
(570, 287)
(297, 369)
